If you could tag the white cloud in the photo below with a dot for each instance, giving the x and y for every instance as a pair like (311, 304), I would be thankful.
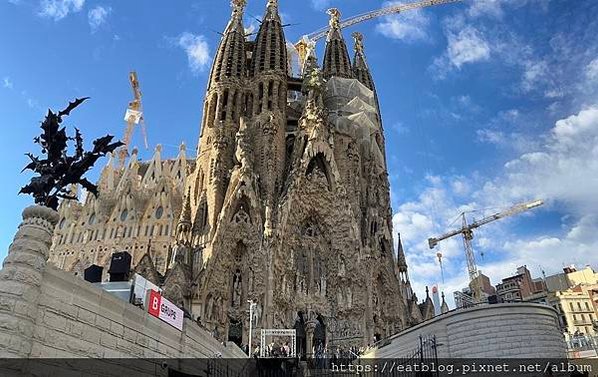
(252, 27)
(534, 72)
(592, 70)
(491, 8)
(562, 169)
(196, 47)
(32, 103)
(7, 83)
(320, 4)
(97, 16)
(409, 26)
(468, 46)
(59, 9)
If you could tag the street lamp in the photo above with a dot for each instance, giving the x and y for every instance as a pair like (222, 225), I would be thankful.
(251, 307)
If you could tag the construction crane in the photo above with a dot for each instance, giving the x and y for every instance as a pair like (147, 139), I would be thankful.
(133, 117)
(309, 40)
(466, 231)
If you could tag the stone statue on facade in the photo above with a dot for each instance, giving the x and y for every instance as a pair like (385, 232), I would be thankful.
(237, 289)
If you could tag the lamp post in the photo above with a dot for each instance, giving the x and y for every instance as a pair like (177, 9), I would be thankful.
(251, 307)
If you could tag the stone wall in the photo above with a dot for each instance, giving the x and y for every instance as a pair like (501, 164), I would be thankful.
(77, 319)
(51, 314)
(521, 330)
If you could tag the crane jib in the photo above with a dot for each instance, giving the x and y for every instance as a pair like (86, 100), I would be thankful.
(321, 33)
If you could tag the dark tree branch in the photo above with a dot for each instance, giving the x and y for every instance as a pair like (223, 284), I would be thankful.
(59, 170)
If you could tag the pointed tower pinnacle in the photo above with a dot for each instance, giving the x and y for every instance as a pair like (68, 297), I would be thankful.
(361, 71)
(401, 260)
(444, 307)
(230, 56)
(270, 52)
(336, 57)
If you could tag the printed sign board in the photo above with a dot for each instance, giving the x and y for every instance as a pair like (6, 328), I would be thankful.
(161, 308)
(140, 288)
(133, 116)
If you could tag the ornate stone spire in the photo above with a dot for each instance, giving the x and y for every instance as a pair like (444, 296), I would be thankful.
(238, 6)
(183, 229)
(401, 260)
(444, 307)
(270, 52)
(361, 71)
(230, 56)
(427, 308)
(336, 57)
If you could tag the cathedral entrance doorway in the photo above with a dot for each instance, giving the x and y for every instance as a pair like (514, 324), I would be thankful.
(301, 340)
(235, 332)
(319, 336)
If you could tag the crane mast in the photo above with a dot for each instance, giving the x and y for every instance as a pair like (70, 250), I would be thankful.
(466, 231)
(133, 117)
(308, 41)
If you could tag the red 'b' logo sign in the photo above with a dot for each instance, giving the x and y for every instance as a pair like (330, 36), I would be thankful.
(154, 303)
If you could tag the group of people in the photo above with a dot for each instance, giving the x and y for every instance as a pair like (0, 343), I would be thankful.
(319, 352)
(272, 350)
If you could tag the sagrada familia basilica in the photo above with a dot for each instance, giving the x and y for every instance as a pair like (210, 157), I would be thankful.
(287, 202)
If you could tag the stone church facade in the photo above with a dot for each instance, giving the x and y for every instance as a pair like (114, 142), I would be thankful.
(287, 203)
(136, 211)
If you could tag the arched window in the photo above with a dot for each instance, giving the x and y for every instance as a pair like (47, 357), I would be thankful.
(159, 212)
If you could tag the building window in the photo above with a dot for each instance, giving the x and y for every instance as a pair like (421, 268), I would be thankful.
(92, 219)
(571, 306)
(123, 215)
(62, 222)
(159, 212)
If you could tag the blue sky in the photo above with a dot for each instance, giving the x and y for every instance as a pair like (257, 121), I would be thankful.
(484, 103)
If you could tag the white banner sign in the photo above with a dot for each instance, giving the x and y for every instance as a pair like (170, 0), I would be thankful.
(165, 310)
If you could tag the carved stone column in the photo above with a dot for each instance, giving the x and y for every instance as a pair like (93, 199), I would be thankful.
(310, 327)
(21, 279)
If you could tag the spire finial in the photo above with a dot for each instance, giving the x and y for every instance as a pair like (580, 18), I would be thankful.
(335, 18)
(238, 5)
(358, 37)
(427, 292)
(272, 3)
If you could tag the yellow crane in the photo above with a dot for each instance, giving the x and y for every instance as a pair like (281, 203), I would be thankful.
(466, 231)
(133, 117)
(309, 40)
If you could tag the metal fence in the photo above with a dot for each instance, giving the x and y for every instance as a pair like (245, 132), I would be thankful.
(582, 347)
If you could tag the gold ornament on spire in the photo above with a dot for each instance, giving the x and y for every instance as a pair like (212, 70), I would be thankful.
(358, 37)
(272, 3)
(335, 18)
